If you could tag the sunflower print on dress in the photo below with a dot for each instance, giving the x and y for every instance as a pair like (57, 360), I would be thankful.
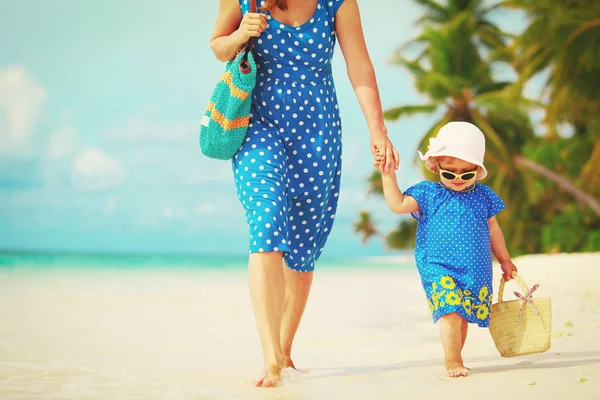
(446, 297)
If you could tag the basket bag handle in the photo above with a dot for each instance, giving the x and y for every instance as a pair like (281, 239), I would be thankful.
(526, 297)
(503, 283)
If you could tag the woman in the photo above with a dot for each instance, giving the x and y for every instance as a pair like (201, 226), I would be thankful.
(287, 172)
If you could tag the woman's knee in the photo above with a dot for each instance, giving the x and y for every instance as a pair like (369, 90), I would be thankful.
(267, 258)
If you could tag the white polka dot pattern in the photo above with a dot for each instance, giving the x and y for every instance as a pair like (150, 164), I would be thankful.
(287, 172)
(453, 241)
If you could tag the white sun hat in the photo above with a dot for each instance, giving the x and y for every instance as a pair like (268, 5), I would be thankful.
(460, 140)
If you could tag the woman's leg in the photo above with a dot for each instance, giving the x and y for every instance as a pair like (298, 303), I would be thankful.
(297, 289)
(267, 288)
(451, 334)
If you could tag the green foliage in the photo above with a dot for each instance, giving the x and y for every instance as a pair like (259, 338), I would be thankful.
(593, 241)
(563, 37)
(403, 237)
(397, 112)
(570, 231)
(565, 156)
(365, 226)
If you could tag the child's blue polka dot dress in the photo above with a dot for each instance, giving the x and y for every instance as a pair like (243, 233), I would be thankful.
(287, 172)
(453, 250)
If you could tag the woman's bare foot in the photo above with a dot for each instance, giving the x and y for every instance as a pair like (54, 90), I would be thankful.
(271, 378)
(288, 363)
(456, 369)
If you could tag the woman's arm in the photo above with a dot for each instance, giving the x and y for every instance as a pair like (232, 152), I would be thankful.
(232, 31)
(349, 31)
(499, 249)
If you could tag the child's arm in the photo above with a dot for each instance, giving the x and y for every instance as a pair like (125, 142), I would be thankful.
(396, 201)
(499, 249)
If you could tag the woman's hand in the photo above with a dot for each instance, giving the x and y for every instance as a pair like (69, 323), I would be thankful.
(232, 29)
(252, 25)
(382, 146)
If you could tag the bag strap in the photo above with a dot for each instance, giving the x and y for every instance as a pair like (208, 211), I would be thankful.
(244, 65)
(519, 280)
(252, 10)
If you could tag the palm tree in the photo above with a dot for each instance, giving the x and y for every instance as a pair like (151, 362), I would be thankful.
(486, 33)
(403, 237)
(365, 227)
(563, 38)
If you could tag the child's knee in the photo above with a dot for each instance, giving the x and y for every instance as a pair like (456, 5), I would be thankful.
(453, 319)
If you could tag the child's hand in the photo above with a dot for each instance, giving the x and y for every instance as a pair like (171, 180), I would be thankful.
(508, 268)
(379, 163)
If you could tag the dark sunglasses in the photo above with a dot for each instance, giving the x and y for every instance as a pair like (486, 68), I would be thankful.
(465, 176)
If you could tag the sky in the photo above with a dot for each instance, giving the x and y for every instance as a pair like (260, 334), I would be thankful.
(100, 104)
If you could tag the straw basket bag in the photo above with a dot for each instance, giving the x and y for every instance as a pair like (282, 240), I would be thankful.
(522, 326)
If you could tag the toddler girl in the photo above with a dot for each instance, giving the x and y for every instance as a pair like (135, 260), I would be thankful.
(456, 235)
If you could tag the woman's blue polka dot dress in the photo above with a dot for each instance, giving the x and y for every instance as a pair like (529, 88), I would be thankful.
(453, 250)
(287, 172)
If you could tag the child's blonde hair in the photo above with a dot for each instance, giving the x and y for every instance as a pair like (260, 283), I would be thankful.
(433, 165)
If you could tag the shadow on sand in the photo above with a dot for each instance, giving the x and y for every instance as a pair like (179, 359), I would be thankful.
(535, 361)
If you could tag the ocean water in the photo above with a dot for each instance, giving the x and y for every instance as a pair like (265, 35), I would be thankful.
(213, 263)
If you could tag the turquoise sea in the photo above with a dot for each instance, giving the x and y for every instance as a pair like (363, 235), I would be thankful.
(45, 261)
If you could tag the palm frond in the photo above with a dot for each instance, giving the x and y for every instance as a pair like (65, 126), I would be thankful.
(412, 65)
(486, 10)
(490, 134)
(433, 9)
(432, 132)
(491, 87)
(394, 114)
(439, 85)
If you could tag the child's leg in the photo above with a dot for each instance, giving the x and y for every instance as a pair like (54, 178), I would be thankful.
(464, 328)
(452, 334)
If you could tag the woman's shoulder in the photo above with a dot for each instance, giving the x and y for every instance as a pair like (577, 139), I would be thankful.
(331, 6)
(334, 4)
(245, 5)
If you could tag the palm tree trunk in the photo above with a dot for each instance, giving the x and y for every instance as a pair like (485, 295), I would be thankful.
(562, 183)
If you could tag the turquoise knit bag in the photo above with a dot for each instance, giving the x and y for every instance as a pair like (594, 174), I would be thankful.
(224, 125)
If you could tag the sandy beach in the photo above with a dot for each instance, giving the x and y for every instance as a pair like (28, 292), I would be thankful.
(189, 334)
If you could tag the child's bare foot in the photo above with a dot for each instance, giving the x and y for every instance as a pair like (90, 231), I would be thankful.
(456, 369)
(288, 363)
(271, 378)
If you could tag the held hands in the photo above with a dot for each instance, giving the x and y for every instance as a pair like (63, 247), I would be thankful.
(387, 159)
(508, 268)
(252, 25)
(386, 155)
(379, 163)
